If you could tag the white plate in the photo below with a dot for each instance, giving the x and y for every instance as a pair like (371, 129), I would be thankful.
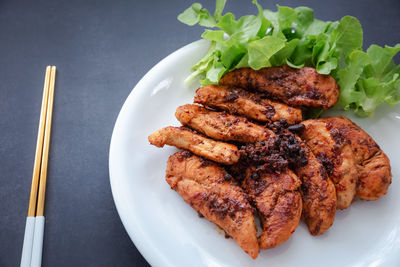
(168, 232)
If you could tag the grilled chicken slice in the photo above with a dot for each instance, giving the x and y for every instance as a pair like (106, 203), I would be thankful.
(303, 87)
(318, 194)
(184, 138)
(211, 191)
(221, 126)
(237, 101)
(335, 153)
(374, 171)
(278, 201)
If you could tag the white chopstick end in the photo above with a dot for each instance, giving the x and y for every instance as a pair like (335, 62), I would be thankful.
(37, 248)
(28, 242)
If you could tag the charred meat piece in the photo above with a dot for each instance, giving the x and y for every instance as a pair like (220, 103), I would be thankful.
(374, 171)
(303, 87)
(184, 138)
(278, 201)
(221, 126)
(318, 194)
(237, 101)
(264, 155)
(317, 190)
(276, 154)
(212, 192)
(335, 153)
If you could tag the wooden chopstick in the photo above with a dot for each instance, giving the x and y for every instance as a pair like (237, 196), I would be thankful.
(30, 220)
(34, 229)
(39, 146)
(46, 145)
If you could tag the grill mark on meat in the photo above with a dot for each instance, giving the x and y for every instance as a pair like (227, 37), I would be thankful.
(269, 111)
(326, 162)
(318, 226)
(184, 155)
(205, 162)
(231, 97)
(223, 206)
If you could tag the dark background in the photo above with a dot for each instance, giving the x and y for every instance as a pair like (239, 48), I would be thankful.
(101, 50)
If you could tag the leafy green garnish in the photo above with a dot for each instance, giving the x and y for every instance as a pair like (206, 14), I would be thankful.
(369, 79)
(293, 36)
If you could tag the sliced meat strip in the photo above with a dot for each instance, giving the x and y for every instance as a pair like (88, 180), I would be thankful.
(303, 87)
(278, 202)
(373, 165)
(184, 138)
(221, 126)
(212, 192)
(318, 194)
(335, 153)
(235, 100)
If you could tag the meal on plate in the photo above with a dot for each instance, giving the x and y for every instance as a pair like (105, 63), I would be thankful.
(253, 143)
(240, 157)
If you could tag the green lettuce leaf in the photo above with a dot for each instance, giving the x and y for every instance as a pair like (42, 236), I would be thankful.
(348, 36)
(369, 80)
(293, 36)
(281, 56)
(196, 14)
(219, 8)
(262, 50)
(347, 79)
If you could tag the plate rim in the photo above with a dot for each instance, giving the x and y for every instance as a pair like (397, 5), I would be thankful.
(138, 242)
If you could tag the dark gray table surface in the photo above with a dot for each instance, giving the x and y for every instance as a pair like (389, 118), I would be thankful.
(101, 50)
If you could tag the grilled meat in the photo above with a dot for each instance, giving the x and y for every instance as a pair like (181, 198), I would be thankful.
(318, 194)
(184, 138)
(303, 87)
(335, 153)
(211, 191)
(284, 177)
(374, 171)
(237, 101)
(221, 126)
(278, 201)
